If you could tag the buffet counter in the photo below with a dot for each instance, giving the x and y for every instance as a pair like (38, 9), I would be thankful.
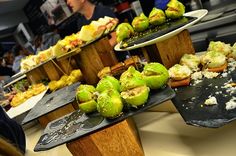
(157, 131)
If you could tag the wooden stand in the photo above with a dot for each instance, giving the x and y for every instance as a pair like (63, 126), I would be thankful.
(170, 51)
(95, 57)
(36, 75)
(91, 60)
(52, 71)
(120, 139)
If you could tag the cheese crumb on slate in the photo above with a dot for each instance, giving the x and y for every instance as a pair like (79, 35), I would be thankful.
(211, 101)
(196, 75)
(210, 75)
(231, 104)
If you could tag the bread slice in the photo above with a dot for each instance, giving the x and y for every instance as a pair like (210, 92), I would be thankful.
(118, 69)
(179, 83)
(218, 69)
(105, 71)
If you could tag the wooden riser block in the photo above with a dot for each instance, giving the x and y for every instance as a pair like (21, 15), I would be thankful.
(65, 65)
(90, 64)
(170, 51)
(120, 139)
(36, 75)
(105, 52)
(95, 57)
(52, 71)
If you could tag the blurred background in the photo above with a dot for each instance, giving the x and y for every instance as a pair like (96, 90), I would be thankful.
(26, 22)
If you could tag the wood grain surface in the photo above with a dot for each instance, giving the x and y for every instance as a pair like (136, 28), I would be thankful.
(120, 139)
(170, 51)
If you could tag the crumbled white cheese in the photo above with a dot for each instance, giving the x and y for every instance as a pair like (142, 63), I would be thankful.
(226, 86)
(196, 75)
(210, 75)
(197, 81)
(179, 72)
(224, 74)
(231, 64)
(231, 104)
(231, 90)
(231, 60)
(211, 101)
(230, 69)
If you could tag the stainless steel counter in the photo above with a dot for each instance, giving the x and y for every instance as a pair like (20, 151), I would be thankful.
(219, 24)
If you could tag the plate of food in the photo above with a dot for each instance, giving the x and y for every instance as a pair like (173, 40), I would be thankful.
(24, 101)
(165, 31)
(51, 102)
(78, 124)
(205, 86)
(111, 101)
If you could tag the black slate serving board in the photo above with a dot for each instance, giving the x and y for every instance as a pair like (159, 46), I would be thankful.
(154, 32)
(77, 124)
(189, 101)
(52, 102)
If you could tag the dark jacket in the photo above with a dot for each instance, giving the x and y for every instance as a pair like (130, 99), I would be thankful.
(12, 131)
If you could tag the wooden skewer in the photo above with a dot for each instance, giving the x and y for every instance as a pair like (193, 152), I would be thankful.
(58, 67)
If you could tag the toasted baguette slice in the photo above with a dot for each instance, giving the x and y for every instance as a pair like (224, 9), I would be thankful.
(105, 71)
(118, 69)
(132, 61)
(179, 83)
(218, 69)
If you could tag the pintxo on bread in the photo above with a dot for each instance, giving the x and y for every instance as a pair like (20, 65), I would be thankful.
(213, 62)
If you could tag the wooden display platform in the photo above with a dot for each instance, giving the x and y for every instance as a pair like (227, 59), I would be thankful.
(170, 51)
(95, 57)
(119, 139)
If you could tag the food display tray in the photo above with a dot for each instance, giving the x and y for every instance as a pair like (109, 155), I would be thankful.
(155, 32)
(96, 39)
(39, 65)
(152, 38)
(52, 102)
(190, 100)
(77, 124)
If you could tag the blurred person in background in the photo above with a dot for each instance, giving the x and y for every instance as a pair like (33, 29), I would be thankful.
(5, 72)
(161, 4)
(90, 12)
(50, 39)
(19, 53)
(37, 44)
(147, 6)
(8, 58)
